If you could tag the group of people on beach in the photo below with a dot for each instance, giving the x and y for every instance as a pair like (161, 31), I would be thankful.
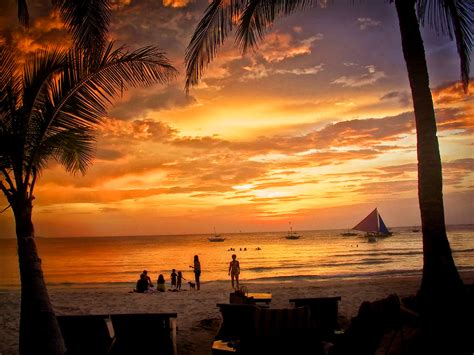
(145, 285)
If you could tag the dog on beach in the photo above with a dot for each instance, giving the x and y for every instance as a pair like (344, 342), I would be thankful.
(192, 285)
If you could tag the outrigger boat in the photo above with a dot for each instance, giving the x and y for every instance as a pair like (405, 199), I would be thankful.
(291, 234)
(349, 234)
(374, 227)
(216, 237)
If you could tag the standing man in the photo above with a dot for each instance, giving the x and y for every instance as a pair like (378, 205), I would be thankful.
(234, 271)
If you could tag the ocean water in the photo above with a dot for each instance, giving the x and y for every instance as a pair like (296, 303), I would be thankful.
(316, 255)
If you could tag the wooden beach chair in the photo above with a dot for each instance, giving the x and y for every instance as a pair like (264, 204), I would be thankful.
(86, 334)
(146, 333)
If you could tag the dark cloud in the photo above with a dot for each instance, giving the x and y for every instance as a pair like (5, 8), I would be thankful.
(109, 154)
(152, 99)
(403, 97)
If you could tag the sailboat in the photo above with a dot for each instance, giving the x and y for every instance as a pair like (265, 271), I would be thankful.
(374, 226)
(216, 237)
(291, 234)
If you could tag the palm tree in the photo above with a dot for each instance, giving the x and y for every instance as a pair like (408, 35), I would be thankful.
(442, 294)
(441, 283)
(48, 111)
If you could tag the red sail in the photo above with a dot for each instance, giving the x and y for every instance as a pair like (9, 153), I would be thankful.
(369, 223)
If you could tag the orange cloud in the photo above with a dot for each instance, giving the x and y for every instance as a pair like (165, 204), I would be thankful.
(176, 3)
(280, 46)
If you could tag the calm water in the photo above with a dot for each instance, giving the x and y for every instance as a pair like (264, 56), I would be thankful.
(316, 255)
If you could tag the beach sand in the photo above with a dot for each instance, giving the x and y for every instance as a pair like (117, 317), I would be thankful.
(198, 316)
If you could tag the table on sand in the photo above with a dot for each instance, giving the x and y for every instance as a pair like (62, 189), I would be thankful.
(260, 297)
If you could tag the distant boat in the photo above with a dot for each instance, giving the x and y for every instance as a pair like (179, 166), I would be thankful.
(291, 234)
(216, 237)
(373, 226)
(349, 234)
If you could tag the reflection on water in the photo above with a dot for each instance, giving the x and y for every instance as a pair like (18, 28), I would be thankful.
(317, 254)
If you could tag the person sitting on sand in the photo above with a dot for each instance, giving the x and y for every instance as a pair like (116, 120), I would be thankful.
(145, 273)
(142, 284)
(180, 278)
(234, 270)
(160, 284)
(173, 276)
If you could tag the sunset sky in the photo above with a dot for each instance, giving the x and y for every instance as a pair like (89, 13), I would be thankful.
(316, 128)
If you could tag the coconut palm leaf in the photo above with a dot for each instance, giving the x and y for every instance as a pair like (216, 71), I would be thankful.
(23, 14)
(77, 98)
(456, 19)
(73, 149)
(210, 33)
(86, 20)
(259, 15)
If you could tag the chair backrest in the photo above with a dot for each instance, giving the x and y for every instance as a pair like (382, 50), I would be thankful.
(282, 331)
(282, 322)
(86, 334)
(324, 313)
(237, 320)
(147, 332)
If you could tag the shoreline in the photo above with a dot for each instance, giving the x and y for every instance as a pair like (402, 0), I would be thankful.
(263, 280)
(198, 316)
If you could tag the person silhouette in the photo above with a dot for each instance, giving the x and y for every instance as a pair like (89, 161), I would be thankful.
(197, 272)
(234, 271)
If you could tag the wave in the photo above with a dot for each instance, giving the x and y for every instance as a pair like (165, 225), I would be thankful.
(378, 253)
(362, 275)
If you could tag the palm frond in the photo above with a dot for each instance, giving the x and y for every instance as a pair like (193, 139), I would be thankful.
(78, 98)
(74, 149)
(209, 34)
(86, 20)
(456, 19)
(86, 91)
(23, 14)
(10, 120)
(38, 72)
(7, 66)
(259, 15)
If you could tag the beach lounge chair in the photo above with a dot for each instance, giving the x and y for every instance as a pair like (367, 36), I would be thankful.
(86, 334)
(146, 333)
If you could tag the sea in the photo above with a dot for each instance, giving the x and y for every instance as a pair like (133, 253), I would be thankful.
(264, 257)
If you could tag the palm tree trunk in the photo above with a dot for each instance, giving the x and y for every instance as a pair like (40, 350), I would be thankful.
(442, 290)
(39, 330)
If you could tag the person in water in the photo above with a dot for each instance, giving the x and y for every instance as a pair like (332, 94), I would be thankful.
(234, 271)
(197, 272)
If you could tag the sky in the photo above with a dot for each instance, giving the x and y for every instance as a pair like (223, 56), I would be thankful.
(315, 127)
